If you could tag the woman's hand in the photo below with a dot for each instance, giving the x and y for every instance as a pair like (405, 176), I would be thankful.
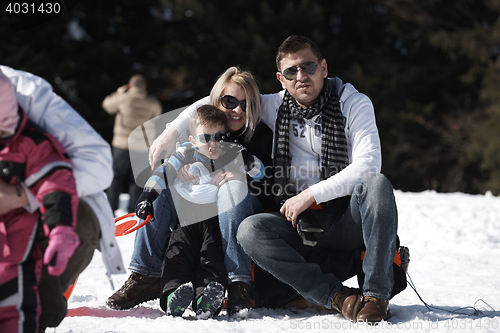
(165, 141)
(296, 205)
(225, 176)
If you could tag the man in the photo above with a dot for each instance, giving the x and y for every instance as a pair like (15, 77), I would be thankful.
(327, 160)
(133, 107)
(91, 159)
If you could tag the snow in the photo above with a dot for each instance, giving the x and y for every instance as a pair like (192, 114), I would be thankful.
(454, 242)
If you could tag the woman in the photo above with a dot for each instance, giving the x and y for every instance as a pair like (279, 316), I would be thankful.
(237, 94)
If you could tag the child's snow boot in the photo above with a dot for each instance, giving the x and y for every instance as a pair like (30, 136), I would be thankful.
(179, 300)
(209, 304)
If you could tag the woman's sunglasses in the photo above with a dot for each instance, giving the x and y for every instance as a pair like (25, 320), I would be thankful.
(308, 67)
(206, 138)
(230, 102)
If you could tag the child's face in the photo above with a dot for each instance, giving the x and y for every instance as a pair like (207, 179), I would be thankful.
(210, 149)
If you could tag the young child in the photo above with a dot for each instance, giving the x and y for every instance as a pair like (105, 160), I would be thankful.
(36, 161)
(193, 268)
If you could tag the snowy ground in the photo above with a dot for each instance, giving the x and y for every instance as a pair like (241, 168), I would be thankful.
(454, 242)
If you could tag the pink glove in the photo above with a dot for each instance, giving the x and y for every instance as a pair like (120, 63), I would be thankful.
(63, 242)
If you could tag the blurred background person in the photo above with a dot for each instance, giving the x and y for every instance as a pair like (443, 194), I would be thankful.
(133, 107)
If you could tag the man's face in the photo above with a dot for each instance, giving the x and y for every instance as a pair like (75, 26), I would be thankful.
(305, 88)
(210, 149)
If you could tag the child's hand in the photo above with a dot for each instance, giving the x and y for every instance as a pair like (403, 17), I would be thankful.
(225, 176)
(143, 209)
(184, 175)
(63, 241)
(144, 205)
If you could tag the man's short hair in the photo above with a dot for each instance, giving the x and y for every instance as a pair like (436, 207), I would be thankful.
(294, 44)
(138, 81)
(207, 115)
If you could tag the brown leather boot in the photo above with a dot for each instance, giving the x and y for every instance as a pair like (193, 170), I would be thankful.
(348, 301)
(137, 289)
(374, 310)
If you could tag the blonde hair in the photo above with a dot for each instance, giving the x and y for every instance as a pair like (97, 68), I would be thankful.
(246, 81)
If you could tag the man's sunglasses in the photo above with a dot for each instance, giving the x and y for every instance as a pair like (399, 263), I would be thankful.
(307, 67)
(206, 138)
(230, 102)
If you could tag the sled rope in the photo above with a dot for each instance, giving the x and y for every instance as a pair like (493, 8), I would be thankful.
(461, 311)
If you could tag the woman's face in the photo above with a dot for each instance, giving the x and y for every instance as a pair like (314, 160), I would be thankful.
(236, 118)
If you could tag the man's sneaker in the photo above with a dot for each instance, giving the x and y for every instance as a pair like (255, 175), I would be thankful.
(137, 289)
(348, 301)
(209, 303)
(374, 310)
(237, 297)
(179, 300)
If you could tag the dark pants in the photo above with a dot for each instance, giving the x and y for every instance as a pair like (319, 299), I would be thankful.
(123, 180)
(194, 253)
(52, 288)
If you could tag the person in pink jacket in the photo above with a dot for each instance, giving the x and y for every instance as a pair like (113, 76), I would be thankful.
(37, 161)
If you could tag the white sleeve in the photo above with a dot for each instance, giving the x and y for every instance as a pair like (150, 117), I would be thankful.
(270, 104)
(33, 204)
(365, 151)
(89, 152)
(181, 123)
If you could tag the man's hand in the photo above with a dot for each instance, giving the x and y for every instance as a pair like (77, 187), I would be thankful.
(9, 198)
(165, 141)
(296, 205)
(122, 89)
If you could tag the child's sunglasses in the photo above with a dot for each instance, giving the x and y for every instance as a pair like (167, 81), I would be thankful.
(308, 67)
(230, 102)
(206, 138)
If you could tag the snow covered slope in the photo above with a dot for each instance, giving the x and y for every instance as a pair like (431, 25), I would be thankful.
(454, 242)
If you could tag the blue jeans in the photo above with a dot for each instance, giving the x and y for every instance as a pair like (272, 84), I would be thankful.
(370, 220)
(150, 240)
(232, 211)
(149, 244)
